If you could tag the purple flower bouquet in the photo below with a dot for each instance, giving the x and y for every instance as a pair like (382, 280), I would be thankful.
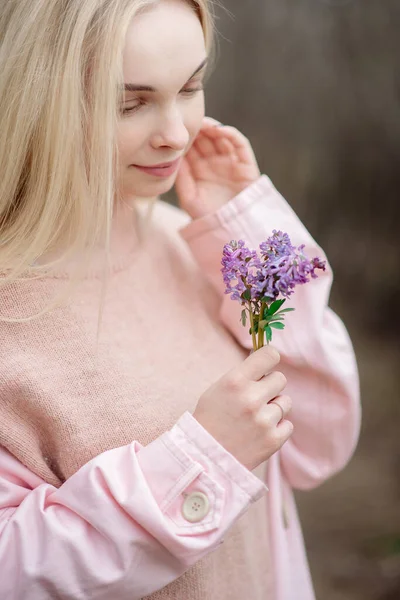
(258, 281)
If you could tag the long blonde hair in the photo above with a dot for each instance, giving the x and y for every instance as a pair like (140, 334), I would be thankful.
(60, 76)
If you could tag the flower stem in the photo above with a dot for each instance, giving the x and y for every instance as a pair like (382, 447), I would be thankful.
(253, 333)
(260, 329)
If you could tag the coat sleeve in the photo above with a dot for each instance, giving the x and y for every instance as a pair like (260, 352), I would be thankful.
(316, 353)
(122, 526)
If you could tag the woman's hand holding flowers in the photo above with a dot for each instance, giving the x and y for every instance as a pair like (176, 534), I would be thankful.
(246, 411)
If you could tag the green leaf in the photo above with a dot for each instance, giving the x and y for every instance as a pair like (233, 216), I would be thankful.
(268, 333)
(244, 317)
(276, 317)
(266, 299)
(286, 310)
(246, 295)
(277, 325)
(275, 306)
(268, 317)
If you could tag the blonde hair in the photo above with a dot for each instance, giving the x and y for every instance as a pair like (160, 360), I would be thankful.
(60, 76)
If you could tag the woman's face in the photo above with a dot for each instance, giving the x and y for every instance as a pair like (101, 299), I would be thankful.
(163, 107)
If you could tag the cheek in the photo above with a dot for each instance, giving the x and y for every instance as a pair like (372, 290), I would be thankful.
(130, 139)
(194, 117)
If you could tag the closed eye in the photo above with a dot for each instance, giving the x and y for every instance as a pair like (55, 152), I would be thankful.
(134, 107)
(191, 91)
(140, 102)
(193, 85)
(191, 88)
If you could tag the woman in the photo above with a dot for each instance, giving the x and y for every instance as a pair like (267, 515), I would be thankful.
(138, 442)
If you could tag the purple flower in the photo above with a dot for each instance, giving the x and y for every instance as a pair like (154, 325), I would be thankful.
(236, 263)
(278, 244)
(258, 281)
(280, 268)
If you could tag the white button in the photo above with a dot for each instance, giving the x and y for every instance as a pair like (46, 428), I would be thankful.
(195, 507)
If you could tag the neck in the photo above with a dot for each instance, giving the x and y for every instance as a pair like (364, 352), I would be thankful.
(128, 226)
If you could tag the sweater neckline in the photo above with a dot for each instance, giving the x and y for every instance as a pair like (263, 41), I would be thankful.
(127, 231)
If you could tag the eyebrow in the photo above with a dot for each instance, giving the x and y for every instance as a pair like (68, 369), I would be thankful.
(132, 87)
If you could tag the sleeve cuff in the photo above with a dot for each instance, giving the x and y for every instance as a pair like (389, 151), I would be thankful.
(204, 448)
(187, 460)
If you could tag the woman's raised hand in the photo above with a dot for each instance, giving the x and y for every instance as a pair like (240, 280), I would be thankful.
(245, 410)
(219, 165)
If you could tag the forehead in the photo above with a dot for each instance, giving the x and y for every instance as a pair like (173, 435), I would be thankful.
(163, 44)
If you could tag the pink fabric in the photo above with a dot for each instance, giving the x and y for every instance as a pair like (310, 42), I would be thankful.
(317, 358)
(125, 537)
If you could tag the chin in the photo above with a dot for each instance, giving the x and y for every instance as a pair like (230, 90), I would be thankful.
(150, 189)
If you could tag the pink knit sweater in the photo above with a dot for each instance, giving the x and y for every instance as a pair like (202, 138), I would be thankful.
(109, 489)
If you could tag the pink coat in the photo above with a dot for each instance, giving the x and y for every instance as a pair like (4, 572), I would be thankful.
(105, 523)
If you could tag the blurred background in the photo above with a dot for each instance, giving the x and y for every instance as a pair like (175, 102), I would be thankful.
(315, 86)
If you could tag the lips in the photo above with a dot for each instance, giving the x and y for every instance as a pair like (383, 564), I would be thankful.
(161, 170)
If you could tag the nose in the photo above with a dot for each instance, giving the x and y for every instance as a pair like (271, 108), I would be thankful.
(171, 131)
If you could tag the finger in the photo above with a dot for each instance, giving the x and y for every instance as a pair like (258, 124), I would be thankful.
(220, 144)
(225, 147)
(231, 133)
(241, 144)
(281, 405)
(193, 157)
(284, 429)
(270, 413)
(205, 146)
(271, 386)
(260, 363)
(210, 122)
(193, 153)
